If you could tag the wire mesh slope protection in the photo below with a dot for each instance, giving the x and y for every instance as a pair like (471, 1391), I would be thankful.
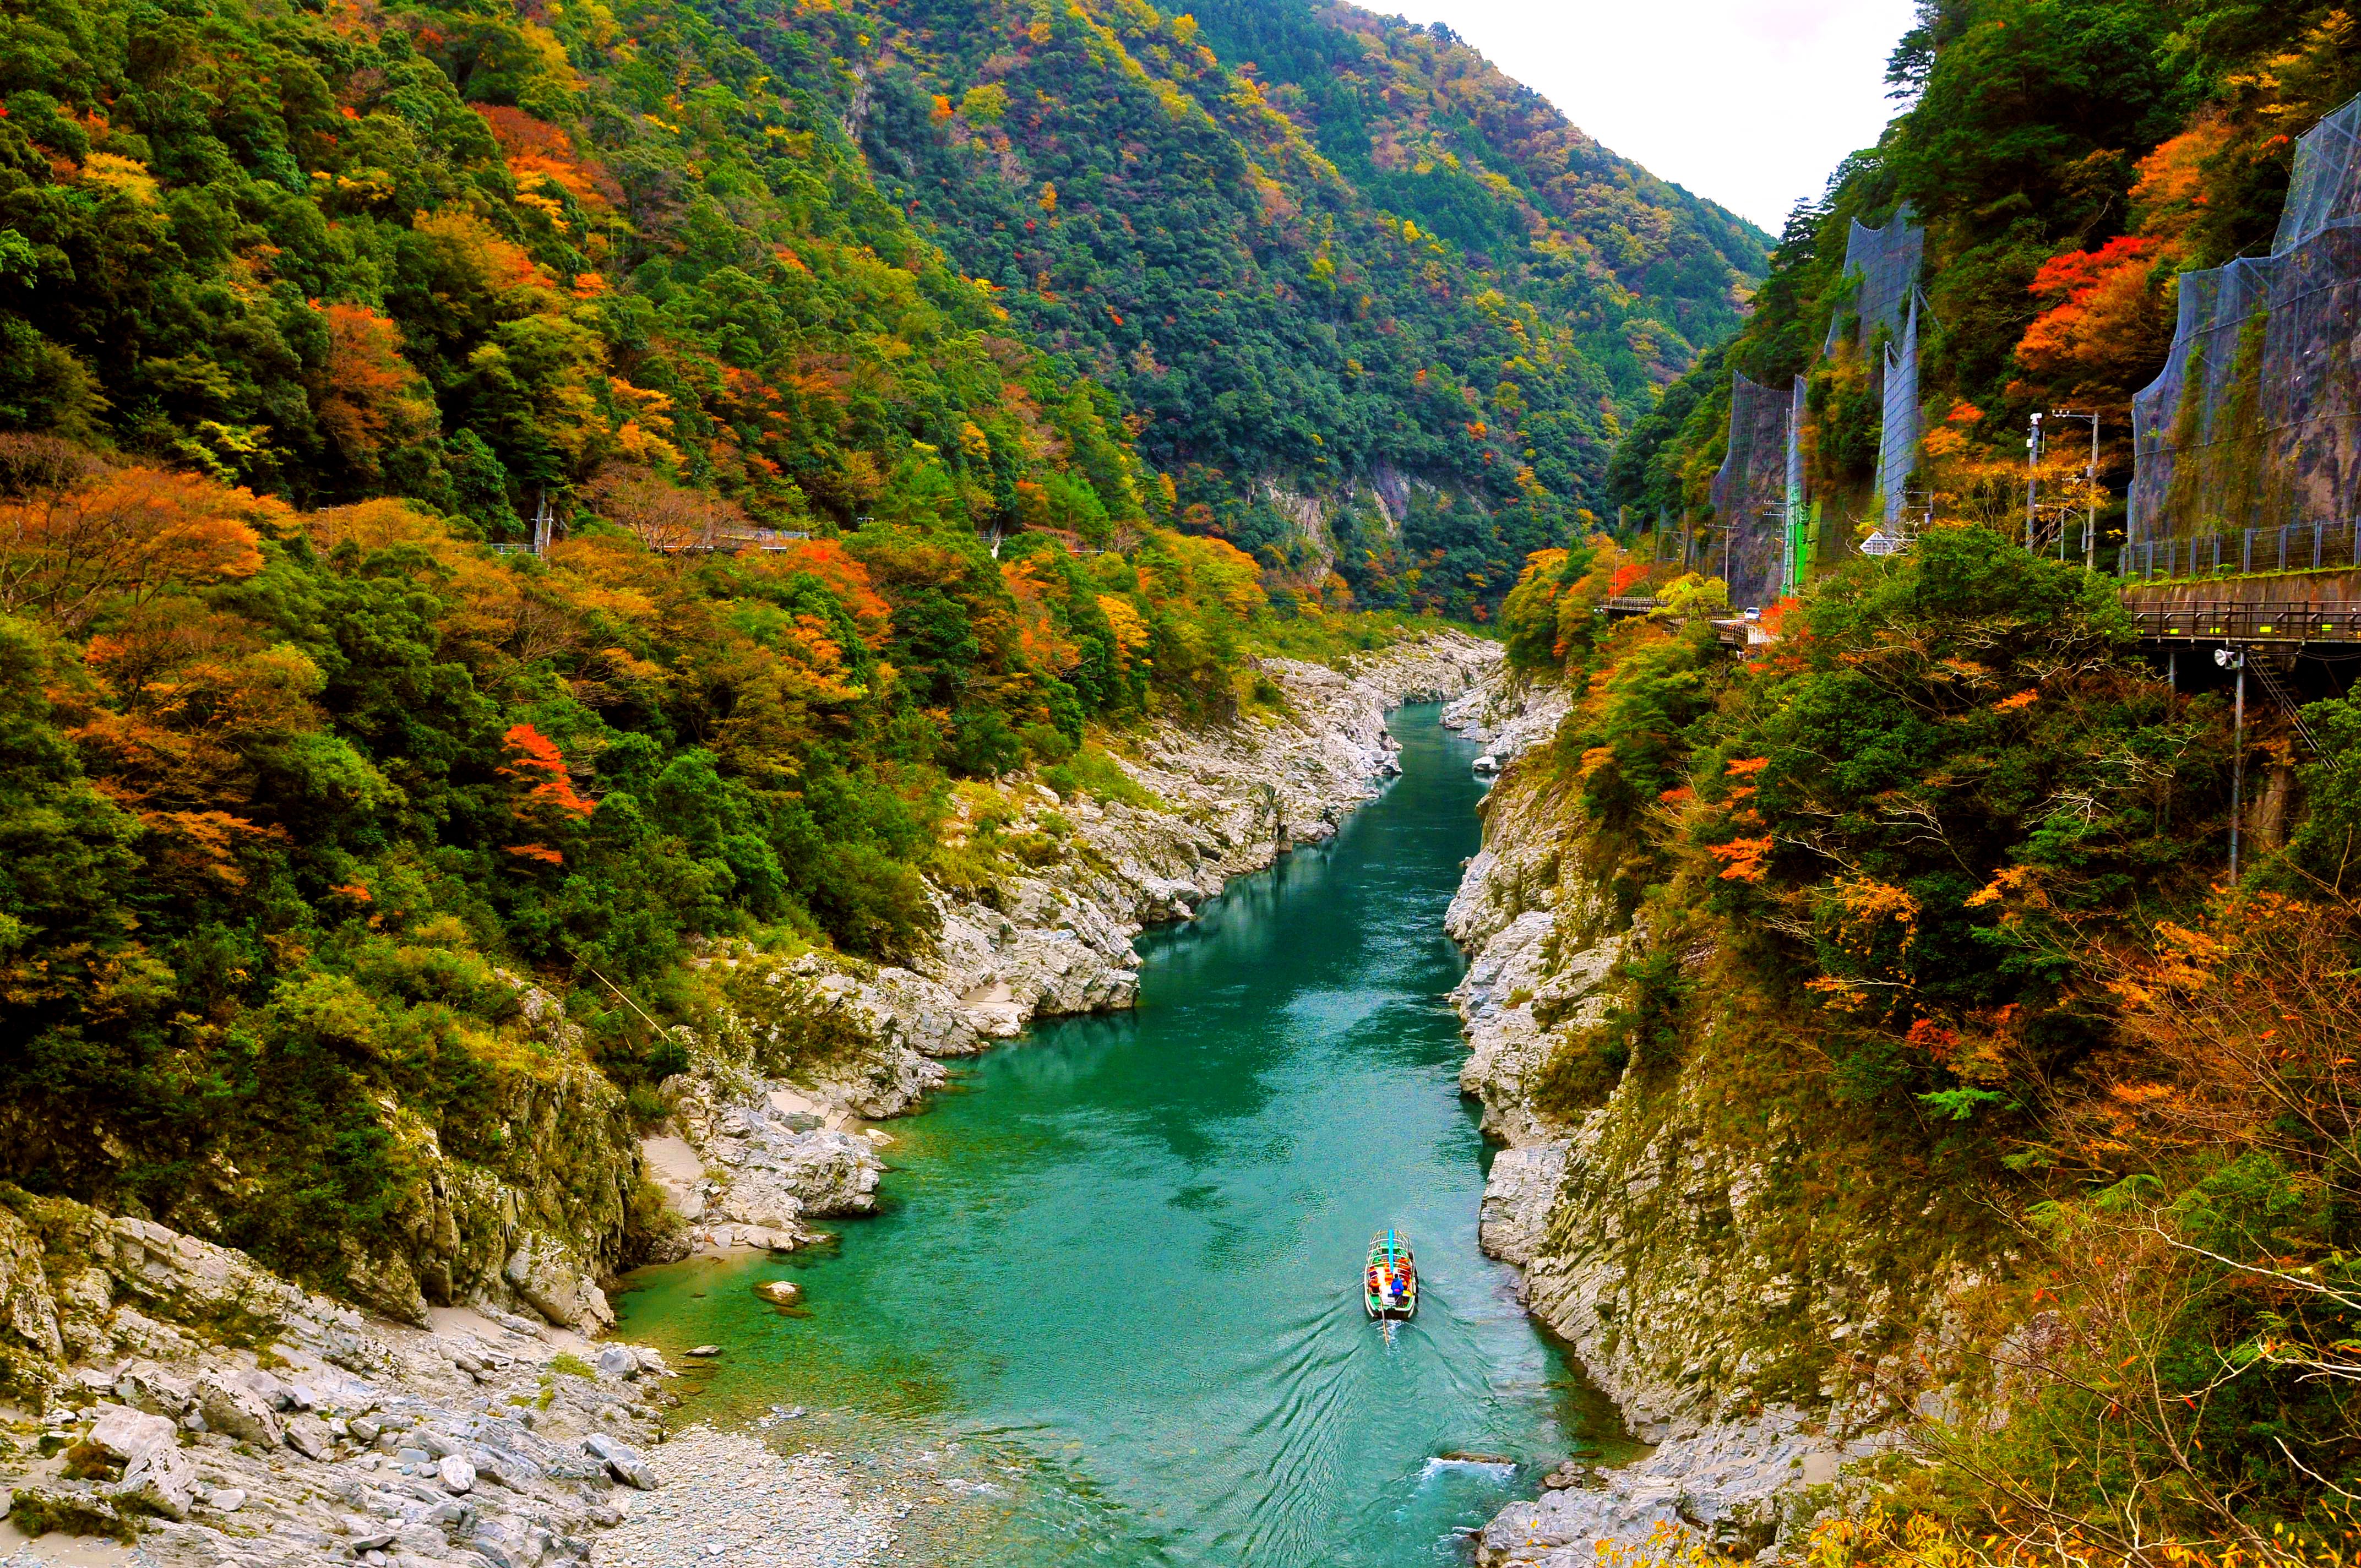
(2256, 422)
(1888, 260)
(1749, 493)
(1897, 437)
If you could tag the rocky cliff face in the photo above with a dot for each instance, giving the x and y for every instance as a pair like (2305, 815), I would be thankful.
(545, 1202)
(1673, 1235)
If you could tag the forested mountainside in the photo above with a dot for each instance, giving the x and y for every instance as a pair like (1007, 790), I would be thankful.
(346, 853)
(1920, 1061)
(2069, 160)
(1393, 308)
(1426, 128)
(1056, 270)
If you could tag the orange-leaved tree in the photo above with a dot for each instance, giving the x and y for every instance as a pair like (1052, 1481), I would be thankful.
(124, 535)
(2201, 1301)
(548, 800)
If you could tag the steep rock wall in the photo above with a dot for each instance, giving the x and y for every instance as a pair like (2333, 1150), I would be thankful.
(1681, 1235)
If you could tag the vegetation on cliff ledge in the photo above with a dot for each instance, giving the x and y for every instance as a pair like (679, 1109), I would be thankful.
(1941, 874)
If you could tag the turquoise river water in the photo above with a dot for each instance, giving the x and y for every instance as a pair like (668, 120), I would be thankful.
(1111, 1315)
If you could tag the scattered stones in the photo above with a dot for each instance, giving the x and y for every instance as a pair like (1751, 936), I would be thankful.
(336, 1436)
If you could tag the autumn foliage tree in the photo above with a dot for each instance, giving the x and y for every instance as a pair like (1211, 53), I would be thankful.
(128, 534)
(662, 515)
(2192, 1337)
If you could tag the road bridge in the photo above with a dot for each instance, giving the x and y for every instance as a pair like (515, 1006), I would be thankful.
(1732, 632)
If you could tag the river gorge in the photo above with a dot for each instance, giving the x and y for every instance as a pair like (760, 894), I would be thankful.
(1069, 1220)
(1112, 1293)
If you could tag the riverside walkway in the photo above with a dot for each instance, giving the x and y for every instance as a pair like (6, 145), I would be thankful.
(2286, 626)
(2283, 625)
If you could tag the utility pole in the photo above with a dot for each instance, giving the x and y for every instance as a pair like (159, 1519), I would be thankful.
(2032, 478)
(2235, 659)
(2091, 482)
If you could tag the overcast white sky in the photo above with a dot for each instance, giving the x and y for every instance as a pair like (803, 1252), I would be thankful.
(1751, 102)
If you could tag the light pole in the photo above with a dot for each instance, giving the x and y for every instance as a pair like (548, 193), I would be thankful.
(2235, 659)
(2032, 478)
(2091, 482)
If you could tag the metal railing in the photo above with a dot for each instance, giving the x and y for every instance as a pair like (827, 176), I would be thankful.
(2285, 621)
(2291, 547)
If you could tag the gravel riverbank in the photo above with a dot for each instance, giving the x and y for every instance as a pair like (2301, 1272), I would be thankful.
(726, 1499)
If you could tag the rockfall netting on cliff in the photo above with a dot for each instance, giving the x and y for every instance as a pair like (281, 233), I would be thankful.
(2256, 422)
(1887, 262)
(1897, 438)
(1758, 496)
(1753, 492)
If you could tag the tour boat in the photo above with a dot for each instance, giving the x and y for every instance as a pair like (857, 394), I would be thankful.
(1390, 1286)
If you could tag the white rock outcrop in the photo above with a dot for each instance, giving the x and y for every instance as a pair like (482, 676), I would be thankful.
(545, 1272)
(471, 1444)
(1635, 1236)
